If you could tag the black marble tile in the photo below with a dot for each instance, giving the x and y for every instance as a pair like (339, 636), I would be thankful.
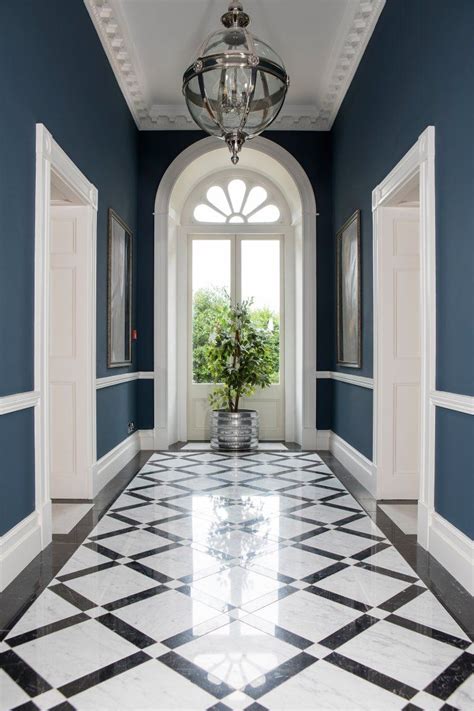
(195, 674)
(371, 675)
(100, 675)
(280, 674)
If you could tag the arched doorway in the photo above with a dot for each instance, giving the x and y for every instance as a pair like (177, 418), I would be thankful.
(202, 160)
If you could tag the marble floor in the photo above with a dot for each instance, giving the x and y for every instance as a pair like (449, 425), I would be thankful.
(67, 515)
(220, 582)
(405, 516)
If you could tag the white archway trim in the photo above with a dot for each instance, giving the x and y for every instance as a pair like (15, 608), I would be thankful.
(185, 172)
(51, 159)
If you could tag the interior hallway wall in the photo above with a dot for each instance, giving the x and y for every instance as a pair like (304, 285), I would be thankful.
(54, 71)
(416, 71)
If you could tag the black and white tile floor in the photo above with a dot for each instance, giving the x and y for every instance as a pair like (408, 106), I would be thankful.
(236, 582)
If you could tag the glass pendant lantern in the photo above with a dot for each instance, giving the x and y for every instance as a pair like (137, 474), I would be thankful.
(237, 85)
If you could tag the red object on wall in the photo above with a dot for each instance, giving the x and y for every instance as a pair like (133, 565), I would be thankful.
(134, 334)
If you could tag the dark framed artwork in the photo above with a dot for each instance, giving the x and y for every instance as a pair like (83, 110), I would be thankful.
(348, 301)
(119, 293)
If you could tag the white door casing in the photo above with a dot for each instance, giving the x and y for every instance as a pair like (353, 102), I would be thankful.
(419, 164)
(399, 366)
(270, 403)
(68, 323)
(51, 161)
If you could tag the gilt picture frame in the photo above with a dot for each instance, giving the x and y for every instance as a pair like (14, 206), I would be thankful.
(348, 294)
(119, 292)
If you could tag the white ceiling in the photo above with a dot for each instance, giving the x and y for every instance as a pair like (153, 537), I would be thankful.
(149, 43)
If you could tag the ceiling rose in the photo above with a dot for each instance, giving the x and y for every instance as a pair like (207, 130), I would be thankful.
(237, 85)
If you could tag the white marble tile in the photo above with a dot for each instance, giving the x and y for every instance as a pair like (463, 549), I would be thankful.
(308, 615)
(11, 695)
(45, 610)
(426, 610)
(298, 475)
(291, 561)
(158, 491)
(203, 469)
(405, 516)
(164, 615)
(339, 542)
(392, 560)
(463, 697)
(181, 561)
(49, 699)
(111, 584)
(236, 585)
(283, 527)
(147, 513)
(66, 516)
(364, 525)
(151, 686)
(237, 653)
(240, 544)
(412, 658)
(134, 542)
(266, 469)
(75, 651)
(107, 524)
(362, 585)
(322, 513)
(325, 687)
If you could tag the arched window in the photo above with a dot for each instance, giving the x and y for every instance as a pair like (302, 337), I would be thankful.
(236, 198)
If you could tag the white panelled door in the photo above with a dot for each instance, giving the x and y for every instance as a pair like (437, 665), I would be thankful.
(244, 266)
(399, 362)
(68, 354)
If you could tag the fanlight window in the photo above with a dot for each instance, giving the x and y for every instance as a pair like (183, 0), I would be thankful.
(236, 203)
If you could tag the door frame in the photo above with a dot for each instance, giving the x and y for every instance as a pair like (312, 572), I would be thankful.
(52, 160)
(285, 236)
(420, 160)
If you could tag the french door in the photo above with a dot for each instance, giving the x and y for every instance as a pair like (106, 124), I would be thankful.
(239, 266)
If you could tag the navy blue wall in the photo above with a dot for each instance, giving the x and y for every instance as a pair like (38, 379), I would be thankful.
(454, 488)
(17, 481)
(157, 150)
(416, 71)
(54, 71)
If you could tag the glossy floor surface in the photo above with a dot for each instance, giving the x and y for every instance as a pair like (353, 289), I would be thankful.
(236, 582)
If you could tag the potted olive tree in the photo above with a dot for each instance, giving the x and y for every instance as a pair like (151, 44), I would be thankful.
(240, 360)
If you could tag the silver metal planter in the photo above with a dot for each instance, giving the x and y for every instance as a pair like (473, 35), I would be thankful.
(234, 431)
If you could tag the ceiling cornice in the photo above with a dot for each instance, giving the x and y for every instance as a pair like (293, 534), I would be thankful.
(113, 35)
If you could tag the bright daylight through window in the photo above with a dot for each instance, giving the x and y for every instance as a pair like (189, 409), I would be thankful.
(236, 203)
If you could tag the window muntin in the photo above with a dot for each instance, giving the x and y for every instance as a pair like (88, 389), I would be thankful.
(236, 202)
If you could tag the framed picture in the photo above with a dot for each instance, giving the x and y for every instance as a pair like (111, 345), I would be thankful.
(119, 293)
(348, 300)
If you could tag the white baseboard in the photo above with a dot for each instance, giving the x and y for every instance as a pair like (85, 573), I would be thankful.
(160, 438)
(453, 549)
(358, 465)
(323, 439)
(147, 439)
(18, 547)
(111, 463)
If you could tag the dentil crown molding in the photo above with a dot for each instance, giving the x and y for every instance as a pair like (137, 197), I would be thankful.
(112, 33)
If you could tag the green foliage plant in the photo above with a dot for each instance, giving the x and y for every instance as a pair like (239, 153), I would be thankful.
(240, 356)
